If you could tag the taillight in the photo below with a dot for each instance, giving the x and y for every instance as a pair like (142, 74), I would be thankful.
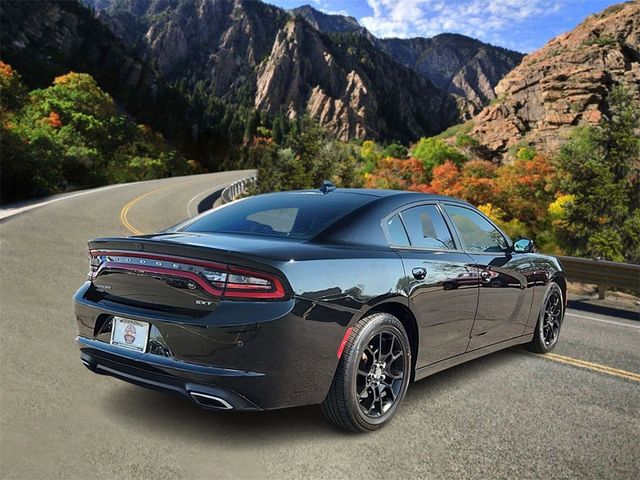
(219, 280)
(247, 284)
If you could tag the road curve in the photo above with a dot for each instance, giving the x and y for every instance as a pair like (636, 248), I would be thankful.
(509, 415)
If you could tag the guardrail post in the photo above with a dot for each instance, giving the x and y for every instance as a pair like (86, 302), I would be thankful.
(602, 290)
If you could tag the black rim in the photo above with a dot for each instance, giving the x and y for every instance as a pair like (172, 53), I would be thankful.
(381, 372)
(552, 319)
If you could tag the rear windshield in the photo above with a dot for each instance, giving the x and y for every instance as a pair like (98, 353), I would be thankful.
(300, 215)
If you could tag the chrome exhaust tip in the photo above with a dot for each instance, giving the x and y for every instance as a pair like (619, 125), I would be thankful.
(210, 401)
(87, 363)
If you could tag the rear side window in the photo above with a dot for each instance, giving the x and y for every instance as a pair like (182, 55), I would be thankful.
(299, 215)
(427, 228)
(476, 232)
(397, 233)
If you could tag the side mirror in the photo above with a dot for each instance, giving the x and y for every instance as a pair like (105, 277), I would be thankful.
(523, 245)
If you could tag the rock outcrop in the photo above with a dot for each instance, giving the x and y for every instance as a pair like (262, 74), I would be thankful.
(564, 84)
(328, 23)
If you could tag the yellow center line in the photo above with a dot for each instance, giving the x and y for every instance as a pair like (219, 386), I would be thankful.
(127, 207)
(596, 367)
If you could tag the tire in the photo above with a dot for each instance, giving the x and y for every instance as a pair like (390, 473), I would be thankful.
(547, 332)
(372, 375)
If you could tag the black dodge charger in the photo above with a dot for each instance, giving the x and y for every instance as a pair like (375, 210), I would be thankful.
(338, 297)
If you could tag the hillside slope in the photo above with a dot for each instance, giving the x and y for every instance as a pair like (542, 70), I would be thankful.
(564, 84)
(45, 39)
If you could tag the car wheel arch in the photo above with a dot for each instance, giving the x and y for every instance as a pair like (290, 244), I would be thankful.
(403, 313)
(560, 279)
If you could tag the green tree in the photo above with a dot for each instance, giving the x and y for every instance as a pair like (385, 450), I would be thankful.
(310, 158)
(433, 152)
(279, 130)
(72, 135)
(396, 150)
(599, 167)
(252, 124)
(12, 91)
(371, 153)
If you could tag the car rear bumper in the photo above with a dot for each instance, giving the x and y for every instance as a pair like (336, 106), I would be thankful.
(240, 357)
(197, 383)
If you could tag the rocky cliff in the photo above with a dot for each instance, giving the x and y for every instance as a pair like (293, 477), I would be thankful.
(349, 86)
(564, 84)
(459, 65)
(217, 42)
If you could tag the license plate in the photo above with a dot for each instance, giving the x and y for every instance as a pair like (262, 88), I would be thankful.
(130, 334)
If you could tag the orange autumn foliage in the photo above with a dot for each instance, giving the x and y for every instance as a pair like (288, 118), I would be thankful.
(53, 119)
(396, 174)
(527, 187)
(479, 183)
(447, 180)
(5, 69)
(475, 182)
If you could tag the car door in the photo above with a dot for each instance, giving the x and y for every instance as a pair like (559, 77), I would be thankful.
(440, 280)
(506, 286)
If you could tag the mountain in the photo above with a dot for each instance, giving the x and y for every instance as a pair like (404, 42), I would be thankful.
(564, 84)
(218, 42)
(349, 86)
(328, 23)
(211, 62)
(252, 53)
(459, 65)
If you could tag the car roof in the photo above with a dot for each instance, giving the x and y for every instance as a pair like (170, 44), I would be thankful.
(375, 192)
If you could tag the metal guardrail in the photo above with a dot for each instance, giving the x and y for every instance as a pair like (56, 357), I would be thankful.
(236, 189)
(602, 273)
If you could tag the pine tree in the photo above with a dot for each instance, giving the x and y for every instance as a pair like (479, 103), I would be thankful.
(600, 168)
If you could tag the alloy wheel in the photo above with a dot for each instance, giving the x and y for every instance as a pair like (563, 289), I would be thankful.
(552, 319)
(381, 373)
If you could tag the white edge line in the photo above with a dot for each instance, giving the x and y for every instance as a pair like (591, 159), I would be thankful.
(223, 185)
(603, 320)
(10, 212)
(208, 190)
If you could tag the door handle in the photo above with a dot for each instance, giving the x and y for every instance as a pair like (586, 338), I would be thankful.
(419, 273)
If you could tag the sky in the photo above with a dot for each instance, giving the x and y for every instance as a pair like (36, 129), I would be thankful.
(522, 25)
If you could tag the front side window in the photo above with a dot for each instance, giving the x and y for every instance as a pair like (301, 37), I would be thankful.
(476, 232)
(427, 228)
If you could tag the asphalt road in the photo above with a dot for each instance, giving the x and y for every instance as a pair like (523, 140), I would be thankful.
(509, 415)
